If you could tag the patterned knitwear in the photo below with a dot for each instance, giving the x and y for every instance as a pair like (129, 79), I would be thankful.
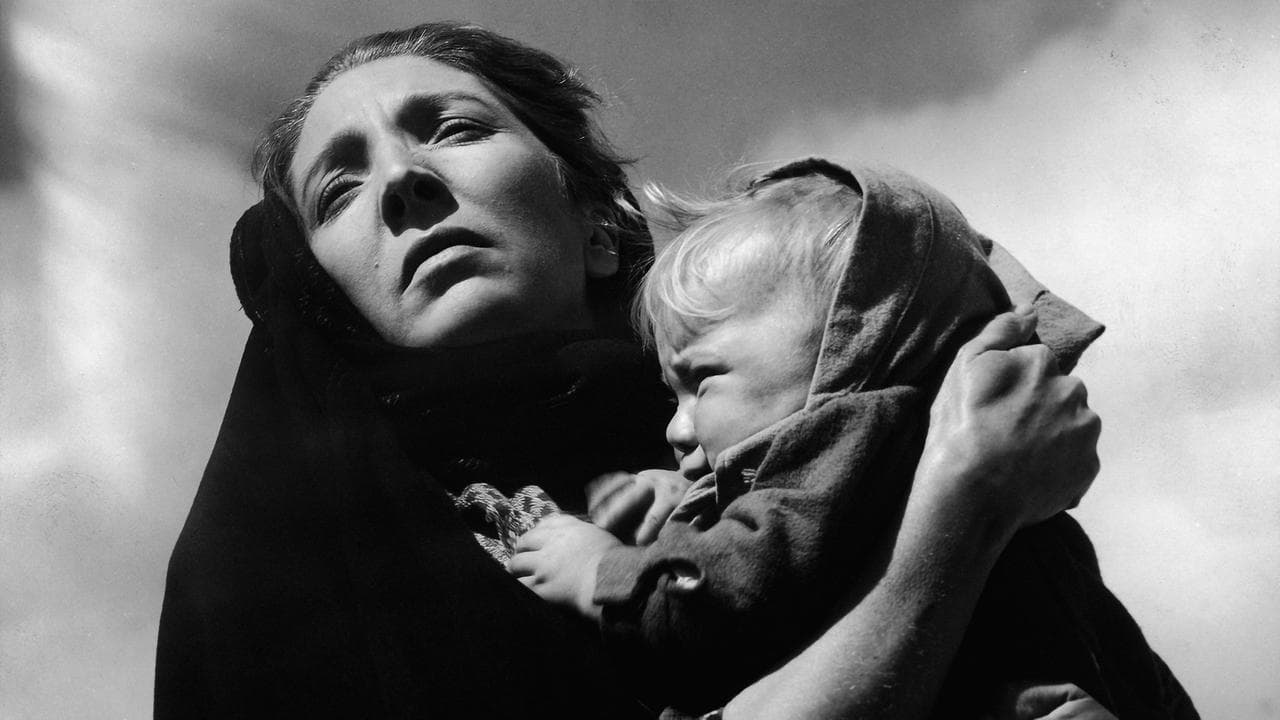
(496, 520)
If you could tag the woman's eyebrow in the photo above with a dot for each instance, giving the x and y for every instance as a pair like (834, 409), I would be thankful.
(419, 106)
(348, 146)
(345, 148)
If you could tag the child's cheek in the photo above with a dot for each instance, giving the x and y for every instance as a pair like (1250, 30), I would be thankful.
(716, 424)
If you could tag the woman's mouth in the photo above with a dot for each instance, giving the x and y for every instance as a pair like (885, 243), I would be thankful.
(436, 250)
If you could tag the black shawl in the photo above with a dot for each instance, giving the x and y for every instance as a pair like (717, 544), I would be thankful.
(323, 570)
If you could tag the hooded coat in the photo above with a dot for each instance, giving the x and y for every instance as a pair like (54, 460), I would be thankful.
(800, 512)
(323, 570)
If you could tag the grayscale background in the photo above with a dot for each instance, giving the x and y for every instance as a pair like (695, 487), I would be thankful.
(1127, 152)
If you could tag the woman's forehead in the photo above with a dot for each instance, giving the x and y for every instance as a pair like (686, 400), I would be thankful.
(373, 93)
(398, 75)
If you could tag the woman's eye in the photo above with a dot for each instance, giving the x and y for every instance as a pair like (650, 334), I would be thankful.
(460, 130)
(333, 198)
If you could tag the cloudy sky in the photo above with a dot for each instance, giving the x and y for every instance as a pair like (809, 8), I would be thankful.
(1127, 152)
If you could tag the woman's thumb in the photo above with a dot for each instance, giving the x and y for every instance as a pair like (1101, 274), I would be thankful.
(1005, 331)
(1030, 701)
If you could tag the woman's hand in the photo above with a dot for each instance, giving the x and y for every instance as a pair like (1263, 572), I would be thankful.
(558, 558)
(1008, 429)
(635, 507)
(1049, 702)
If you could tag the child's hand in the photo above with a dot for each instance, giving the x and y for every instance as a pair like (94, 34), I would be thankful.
(1049, 702)
(635, 507)
(558, 558)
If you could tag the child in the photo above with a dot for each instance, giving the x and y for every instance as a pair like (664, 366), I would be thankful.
(805, 324)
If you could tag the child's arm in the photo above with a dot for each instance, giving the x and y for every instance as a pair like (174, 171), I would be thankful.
(557, 558)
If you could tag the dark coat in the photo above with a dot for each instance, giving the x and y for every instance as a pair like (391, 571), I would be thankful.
(323, 570)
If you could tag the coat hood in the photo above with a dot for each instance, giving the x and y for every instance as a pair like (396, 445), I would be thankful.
(919, 282)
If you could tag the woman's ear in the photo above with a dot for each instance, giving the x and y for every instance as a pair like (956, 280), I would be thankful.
(601, 254)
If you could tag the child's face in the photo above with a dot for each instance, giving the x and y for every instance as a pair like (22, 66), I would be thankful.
(735, 377)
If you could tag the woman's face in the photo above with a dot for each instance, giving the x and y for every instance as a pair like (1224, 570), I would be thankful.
(438, 212)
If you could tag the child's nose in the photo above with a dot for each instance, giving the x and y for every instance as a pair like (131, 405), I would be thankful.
(680, 433)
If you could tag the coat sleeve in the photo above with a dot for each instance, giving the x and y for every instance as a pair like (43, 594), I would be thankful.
(701, 613)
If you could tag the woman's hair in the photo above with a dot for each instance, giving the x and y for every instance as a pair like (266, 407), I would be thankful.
(545, 93)
(778, 233)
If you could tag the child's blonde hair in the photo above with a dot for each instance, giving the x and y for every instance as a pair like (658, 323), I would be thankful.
(786, 231)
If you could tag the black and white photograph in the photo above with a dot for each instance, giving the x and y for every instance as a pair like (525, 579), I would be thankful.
(700, 360)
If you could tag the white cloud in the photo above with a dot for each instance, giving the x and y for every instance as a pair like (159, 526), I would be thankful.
(118, 333)
(1134, 169)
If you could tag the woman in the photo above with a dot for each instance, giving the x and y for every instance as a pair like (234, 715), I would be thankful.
(437, 278)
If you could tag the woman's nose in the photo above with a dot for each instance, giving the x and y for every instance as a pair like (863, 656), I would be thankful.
(413, 198)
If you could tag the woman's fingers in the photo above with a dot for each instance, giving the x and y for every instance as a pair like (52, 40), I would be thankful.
(1005, 332)
(1065, 701)
(1085, 708)
(1034, 701)
(1015, 431)
(1037, 359)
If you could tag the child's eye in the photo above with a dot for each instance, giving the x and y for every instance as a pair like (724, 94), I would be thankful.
(700, 378)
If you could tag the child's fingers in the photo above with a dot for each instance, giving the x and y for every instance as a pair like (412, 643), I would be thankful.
(625, 511)
(522, 565)
(545, 531)
(652, 523)
(536, 537)
(664, 503)
(602, 489)
(534, 584)
(1005, 331)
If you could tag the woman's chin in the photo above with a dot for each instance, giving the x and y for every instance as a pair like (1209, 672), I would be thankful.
(473, 312)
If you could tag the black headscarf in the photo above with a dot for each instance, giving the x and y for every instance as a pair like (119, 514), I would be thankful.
(323, 570)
